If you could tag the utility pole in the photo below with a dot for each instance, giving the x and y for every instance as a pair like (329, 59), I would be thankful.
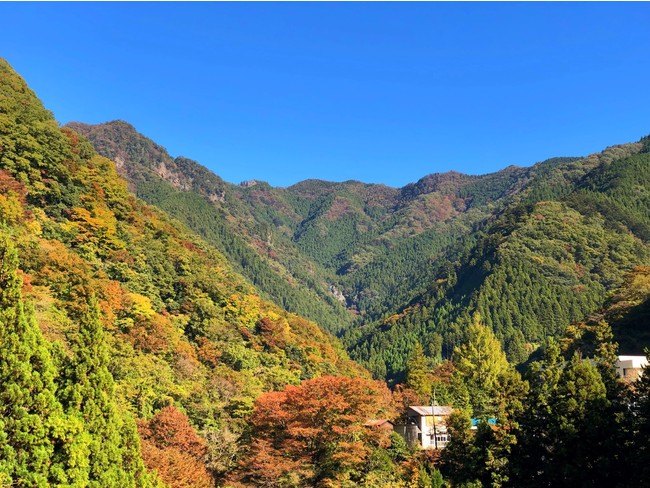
(433, 414)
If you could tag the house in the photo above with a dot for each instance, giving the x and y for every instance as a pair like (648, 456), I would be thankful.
(425, 426)
(629, 368)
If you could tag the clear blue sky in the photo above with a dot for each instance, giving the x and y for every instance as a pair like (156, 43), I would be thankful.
(379, 92)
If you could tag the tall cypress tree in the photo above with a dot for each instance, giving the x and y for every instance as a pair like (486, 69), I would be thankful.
(481, 362)
(32, 423)
(115, 459)
(417, 373)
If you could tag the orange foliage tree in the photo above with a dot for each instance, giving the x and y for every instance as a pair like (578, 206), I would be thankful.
(173, 448)
(314, 433)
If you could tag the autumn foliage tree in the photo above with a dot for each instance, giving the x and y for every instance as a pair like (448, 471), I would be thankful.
(314, 434)
(171, 446)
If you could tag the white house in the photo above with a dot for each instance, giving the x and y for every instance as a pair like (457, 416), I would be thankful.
(425, 426)
(630, 367)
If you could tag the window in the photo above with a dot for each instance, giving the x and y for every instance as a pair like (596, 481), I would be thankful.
(442, 440)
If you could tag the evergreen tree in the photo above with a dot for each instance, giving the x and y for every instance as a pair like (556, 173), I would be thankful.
(417, 373)
(639, 450)
(561, 439)
(115, 459)
(460, 456)
(480, 362)
(32, 425)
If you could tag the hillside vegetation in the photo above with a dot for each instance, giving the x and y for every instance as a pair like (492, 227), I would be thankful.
(532, 249)
(111, 311)
(134, 354)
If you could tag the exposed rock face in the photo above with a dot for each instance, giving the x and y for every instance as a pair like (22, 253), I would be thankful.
(176, 179)
(248, 183)
(120, 163)
(336, 293)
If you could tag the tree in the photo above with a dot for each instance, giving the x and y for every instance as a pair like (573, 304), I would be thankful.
(480, 362)
(171, 446)
(460, 456)
(114, 458)
(315, 432)
(417, 373)
(560, 440)
(640, 429)
(33, 427)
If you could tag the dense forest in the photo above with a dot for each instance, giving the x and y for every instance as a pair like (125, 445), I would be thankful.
(113, 312)
(532, 249)
(152, 330)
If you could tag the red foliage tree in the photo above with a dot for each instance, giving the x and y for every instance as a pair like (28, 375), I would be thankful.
(315, 433)
(173, 448)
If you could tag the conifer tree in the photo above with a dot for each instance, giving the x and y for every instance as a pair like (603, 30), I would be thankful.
(480, 362)
(640, 431)
(32, 424)
(561, 427)
(115, 459)
(417, 374)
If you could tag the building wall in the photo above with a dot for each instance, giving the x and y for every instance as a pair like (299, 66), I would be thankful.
(630, 368)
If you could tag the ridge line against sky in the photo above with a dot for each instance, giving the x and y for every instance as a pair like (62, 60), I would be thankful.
(375, 92)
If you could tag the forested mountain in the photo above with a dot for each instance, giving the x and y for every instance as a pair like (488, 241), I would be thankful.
(534, 267)
(132, 354)
(249, 225)
(532, 248)
(110, 311)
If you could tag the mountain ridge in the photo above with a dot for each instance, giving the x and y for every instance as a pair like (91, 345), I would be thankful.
(379, 250)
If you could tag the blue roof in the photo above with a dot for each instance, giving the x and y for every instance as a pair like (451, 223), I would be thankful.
(490, 421)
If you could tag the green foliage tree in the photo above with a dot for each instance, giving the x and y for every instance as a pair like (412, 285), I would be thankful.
(33, 427)
(460, 456)
(114, 457)
(480, 362)
(417, 373)
(398, 450)
(560, 437)
(638, 453)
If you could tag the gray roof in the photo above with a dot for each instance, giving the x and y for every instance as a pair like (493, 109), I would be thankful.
(439, 410)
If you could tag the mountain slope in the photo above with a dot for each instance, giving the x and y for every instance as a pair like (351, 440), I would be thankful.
(249, 225)
(533, 249)
(533, 270)
(180, 326)
(326, 238)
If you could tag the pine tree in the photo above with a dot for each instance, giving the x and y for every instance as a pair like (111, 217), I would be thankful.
(32, 424)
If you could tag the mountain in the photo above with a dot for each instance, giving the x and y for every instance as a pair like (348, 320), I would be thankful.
(134, 354)
(112, 310)
(349, 243)
(532, 248)
(251, 225)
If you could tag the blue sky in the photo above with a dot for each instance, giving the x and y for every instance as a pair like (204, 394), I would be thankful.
(378, 92)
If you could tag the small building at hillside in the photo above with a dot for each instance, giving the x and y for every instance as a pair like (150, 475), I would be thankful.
(425, 426)
(380, 424)
(630, 368)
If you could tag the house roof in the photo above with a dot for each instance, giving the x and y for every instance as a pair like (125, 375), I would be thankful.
(490, 421)
(378, 423)
(438, 410)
